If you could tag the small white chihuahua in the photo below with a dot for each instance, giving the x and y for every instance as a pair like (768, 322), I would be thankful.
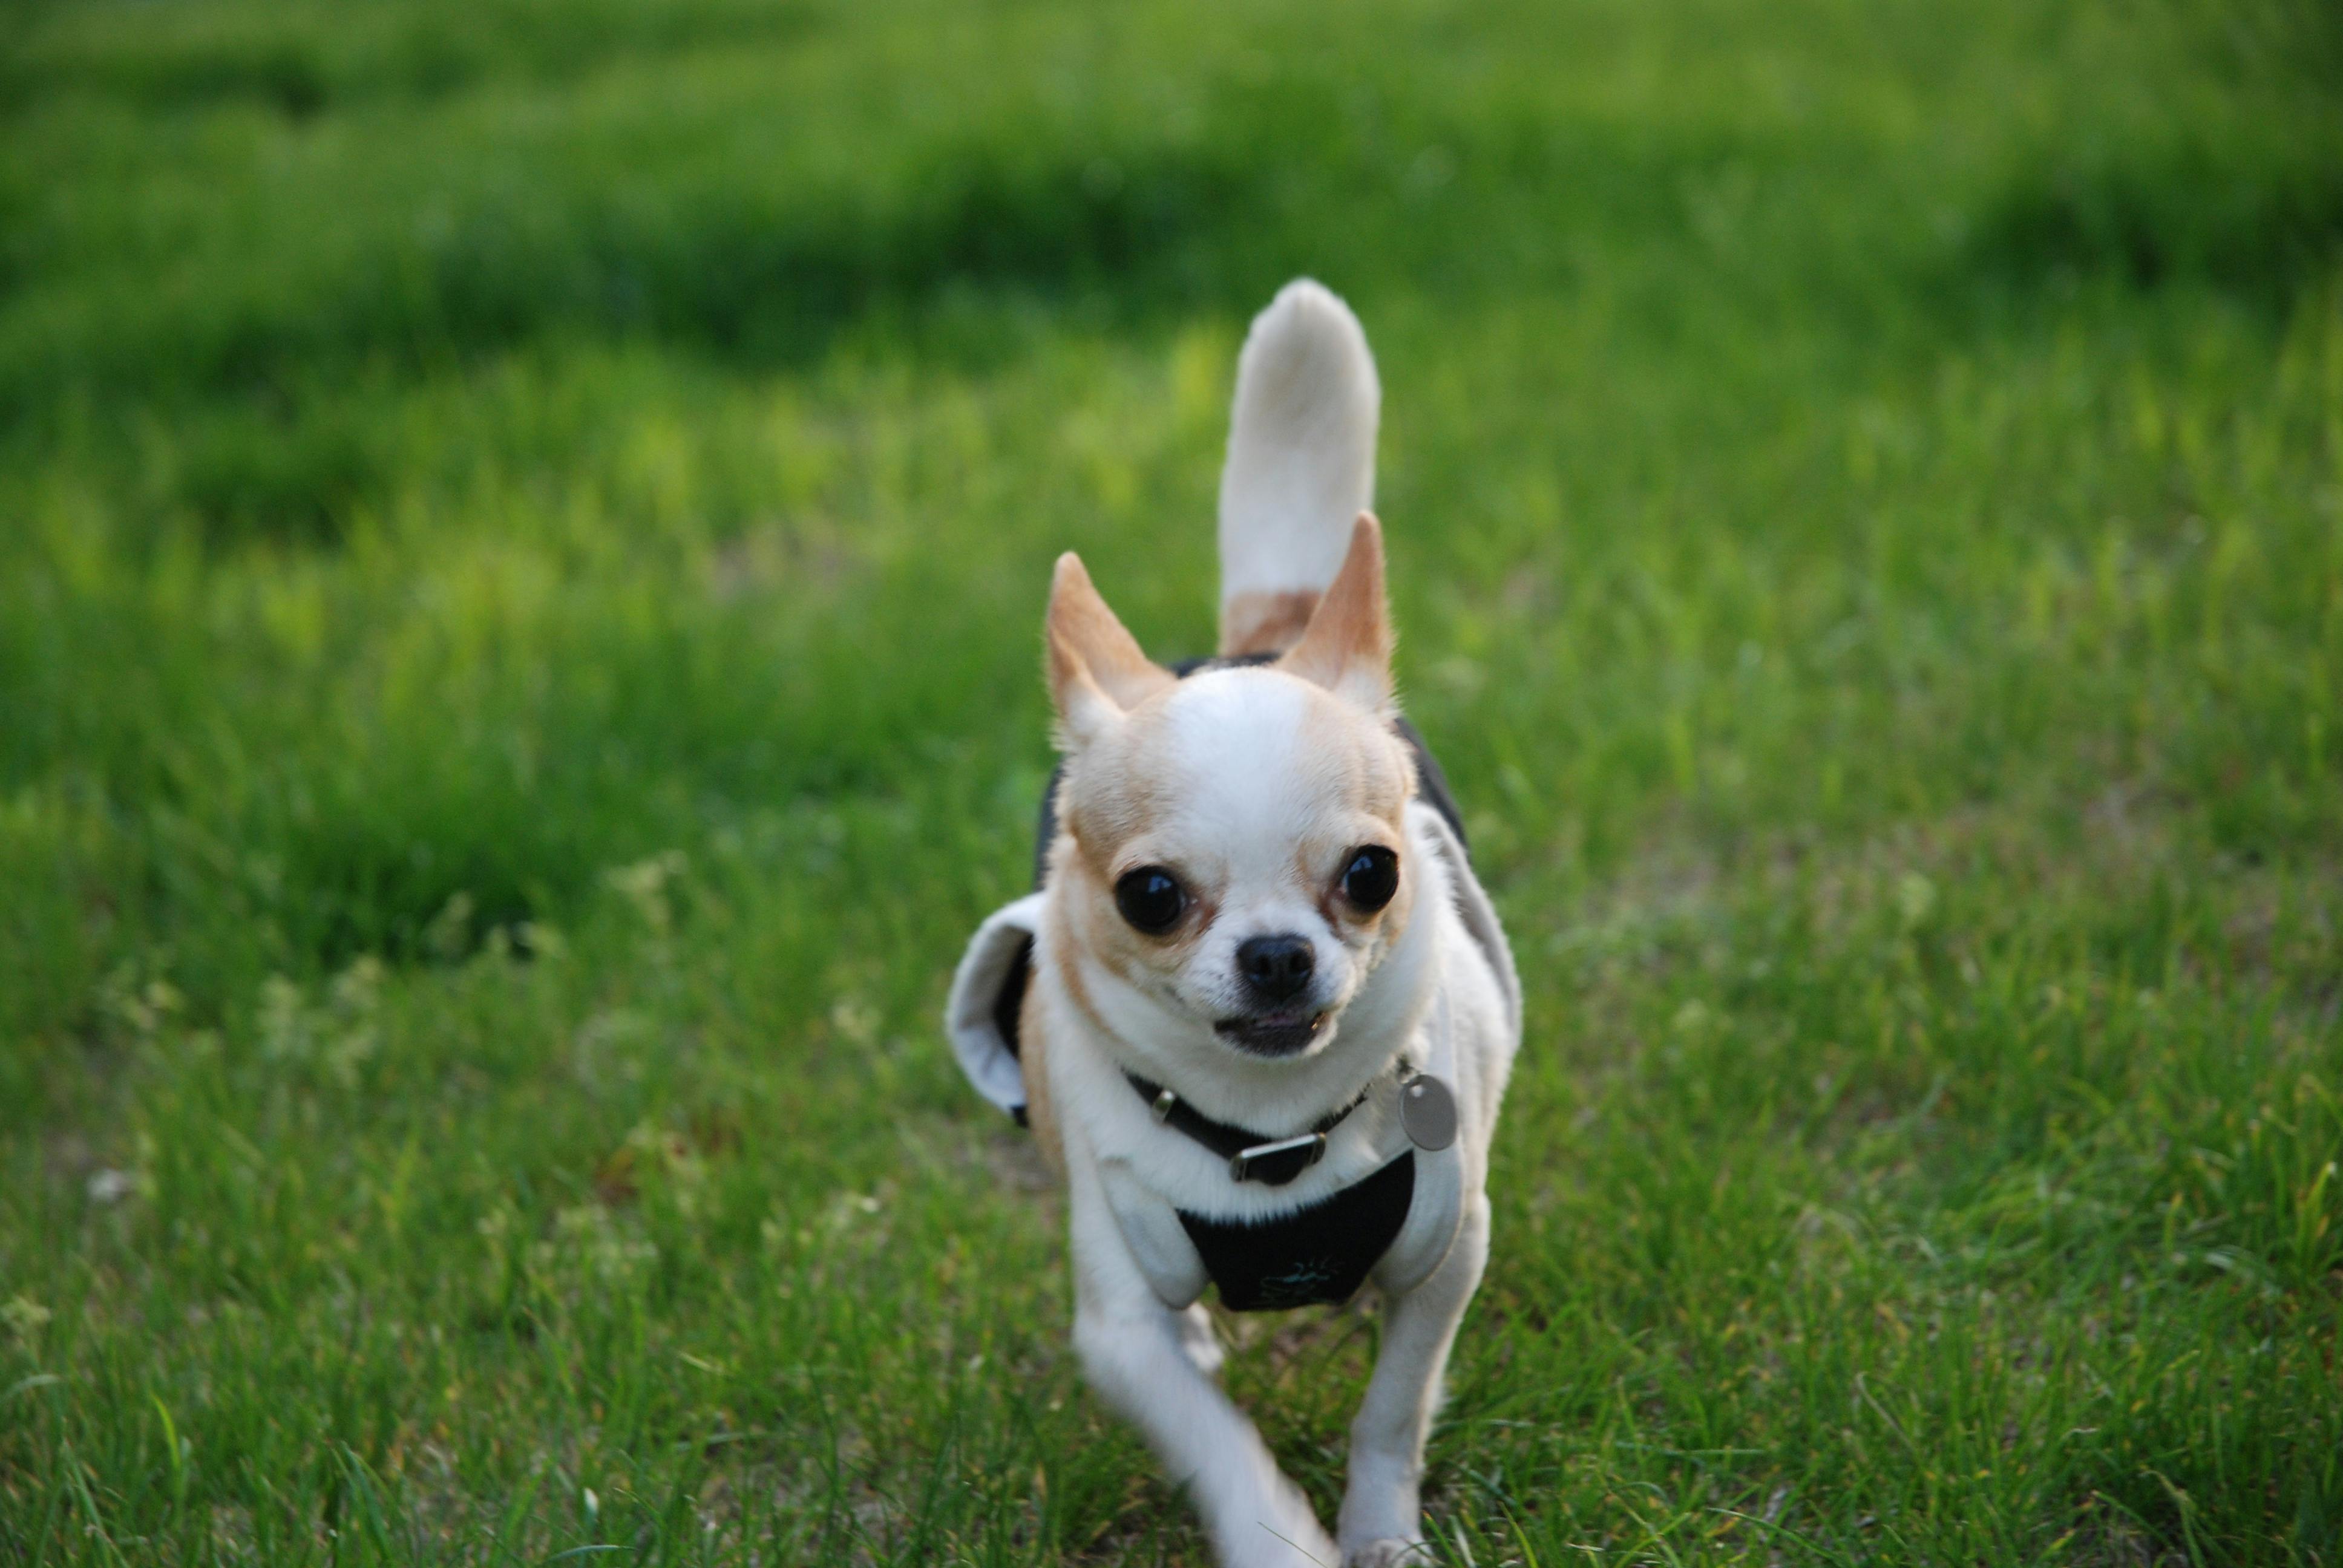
(1260, 1014)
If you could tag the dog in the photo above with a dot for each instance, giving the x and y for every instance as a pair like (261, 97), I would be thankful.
(1260, 1013)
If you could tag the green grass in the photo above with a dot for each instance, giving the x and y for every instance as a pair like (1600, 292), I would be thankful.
(525, 532)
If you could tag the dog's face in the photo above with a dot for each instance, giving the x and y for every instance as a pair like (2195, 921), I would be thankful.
(1237, 863)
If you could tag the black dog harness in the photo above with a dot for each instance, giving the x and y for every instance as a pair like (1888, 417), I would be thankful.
(1313, 1255)
(1317, 1254)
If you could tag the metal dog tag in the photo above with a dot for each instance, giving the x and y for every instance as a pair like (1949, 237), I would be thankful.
(1427, 1111)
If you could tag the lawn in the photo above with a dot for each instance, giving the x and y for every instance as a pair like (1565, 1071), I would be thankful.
(523, 534)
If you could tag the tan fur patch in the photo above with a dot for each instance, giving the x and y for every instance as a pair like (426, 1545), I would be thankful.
(1348, 645)
(1097, 669)
(1265, 622)
(1108, 801)
(1033, 1061)
(1084, 869)
(1062, 942)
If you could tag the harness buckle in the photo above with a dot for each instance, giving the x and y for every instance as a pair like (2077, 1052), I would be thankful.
(1241, 1163)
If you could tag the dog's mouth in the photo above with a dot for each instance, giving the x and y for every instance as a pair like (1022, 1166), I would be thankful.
(1271, 1033)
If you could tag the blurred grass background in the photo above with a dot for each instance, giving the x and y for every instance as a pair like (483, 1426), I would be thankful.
(525, 534)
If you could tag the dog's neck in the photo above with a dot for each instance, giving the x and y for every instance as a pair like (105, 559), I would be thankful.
(1275, 1097)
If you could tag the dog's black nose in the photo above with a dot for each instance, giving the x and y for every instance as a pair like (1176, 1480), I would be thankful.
(1276, 967)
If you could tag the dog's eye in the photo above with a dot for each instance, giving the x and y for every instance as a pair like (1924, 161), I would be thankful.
(1372, 877)
(1149, 898)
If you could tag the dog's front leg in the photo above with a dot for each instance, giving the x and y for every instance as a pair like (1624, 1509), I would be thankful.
(1135, 1351)
(1382, 1522)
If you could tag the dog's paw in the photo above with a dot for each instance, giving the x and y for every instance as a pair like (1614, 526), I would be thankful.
(1390, 1552)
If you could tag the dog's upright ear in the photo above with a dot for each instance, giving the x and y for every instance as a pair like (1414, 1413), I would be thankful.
(1097, 672)
(1347, 646)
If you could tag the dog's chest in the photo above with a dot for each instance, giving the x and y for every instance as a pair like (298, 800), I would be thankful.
(1316, 1255)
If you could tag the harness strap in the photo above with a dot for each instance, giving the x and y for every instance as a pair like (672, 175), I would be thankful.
(1322, 1253)
(1272, 1162)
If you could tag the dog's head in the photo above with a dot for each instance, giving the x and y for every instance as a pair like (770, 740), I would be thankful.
(1234, 864)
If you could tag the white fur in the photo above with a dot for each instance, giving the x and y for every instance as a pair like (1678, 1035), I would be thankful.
(1137, 1277)
(1302, 445)
(1246, 785)
(975, 1035)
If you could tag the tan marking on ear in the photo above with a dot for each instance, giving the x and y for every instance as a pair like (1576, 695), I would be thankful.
(1097, 672)
(1347, 649)
(1260, 622)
